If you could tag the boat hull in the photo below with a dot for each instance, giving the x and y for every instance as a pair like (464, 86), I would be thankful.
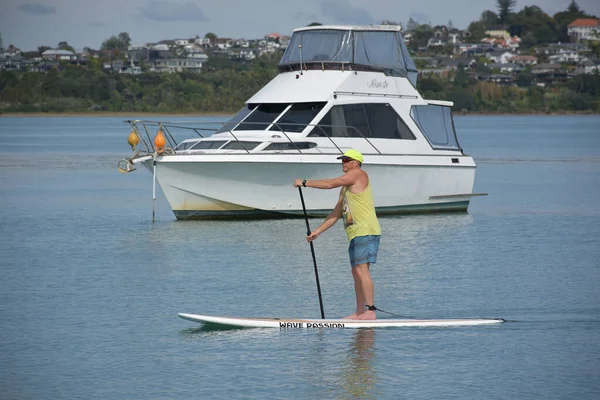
(211, 189)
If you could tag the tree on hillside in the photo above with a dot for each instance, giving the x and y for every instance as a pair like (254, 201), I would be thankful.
(477, 30)
(119, 42)
(534, 26)
(65, 46)
(564, 18)
(573, 7)
(315, 24)
(42, 49)
(411, 25)
(210, 36)
(505, 7)
(488, 18)
(421, 35)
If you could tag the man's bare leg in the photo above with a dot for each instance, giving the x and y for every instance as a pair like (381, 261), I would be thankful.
(363, 286)
(360, 298)
(365, 283)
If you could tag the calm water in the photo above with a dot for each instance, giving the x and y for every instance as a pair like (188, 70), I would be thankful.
(91, 288)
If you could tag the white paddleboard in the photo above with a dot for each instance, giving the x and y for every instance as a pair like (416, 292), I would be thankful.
(300, 323)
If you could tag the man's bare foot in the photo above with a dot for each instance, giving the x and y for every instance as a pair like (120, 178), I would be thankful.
(353, 316)
(367, 315)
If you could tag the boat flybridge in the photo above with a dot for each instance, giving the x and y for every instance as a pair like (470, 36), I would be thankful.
(339, 87)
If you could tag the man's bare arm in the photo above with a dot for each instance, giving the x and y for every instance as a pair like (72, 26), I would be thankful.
(331, 219)
(348, 179)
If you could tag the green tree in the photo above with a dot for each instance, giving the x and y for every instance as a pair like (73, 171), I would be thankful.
(461, 79)
(210, 36)
(315, 24)
(411, 25)
(504, 9)
(430, 85)
(421, 35)
(119, 42)
(564, 18)
(488, 18)
(573, 8)
(525, 78)
(51, 83)
(42, 49)
(533, 25)
(535, 98)
(477, 30)
(463, 100)
(65, 46)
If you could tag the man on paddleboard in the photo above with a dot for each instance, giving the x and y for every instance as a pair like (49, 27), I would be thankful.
(355, 206)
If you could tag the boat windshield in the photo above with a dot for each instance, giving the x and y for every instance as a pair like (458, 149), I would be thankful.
(261, 117)
(372, 48)
(298, 117)
(237, 118)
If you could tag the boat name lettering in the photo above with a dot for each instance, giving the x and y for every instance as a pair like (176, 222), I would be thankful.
(291, 325)
(309, 325)
(375, 84)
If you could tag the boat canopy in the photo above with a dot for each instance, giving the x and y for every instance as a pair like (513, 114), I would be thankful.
(373, 47)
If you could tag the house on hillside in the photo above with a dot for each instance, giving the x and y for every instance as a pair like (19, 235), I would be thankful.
(137, 53)
(549, 74)
(509, 68)
(584, 29)
(590, 66)
(523, 60)
(182, 42)
(223, 43)
(453, 63)
(59, 55)
(500, 56)
(273, 36)
(499, 31)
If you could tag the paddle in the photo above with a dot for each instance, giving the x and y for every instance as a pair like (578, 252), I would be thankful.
(312, 250)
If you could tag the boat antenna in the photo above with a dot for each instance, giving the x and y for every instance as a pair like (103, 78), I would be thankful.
(312, 251)
(300, 47)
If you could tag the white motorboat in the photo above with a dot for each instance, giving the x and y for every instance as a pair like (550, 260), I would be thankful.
(339, 87)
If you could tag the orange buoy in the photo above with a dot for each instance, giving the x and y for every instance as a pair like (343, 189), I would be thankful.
(133, 140)
(159, 141)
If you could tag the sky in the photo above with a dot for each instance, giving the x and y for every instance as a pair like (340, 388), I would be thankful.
(87, 23)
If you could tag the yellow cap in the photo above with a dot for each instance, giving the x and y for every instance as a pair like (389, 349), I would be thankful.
(353, 154)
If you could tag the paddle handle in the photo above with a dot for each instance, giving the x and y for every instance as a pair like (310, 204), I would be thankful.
(312, 251)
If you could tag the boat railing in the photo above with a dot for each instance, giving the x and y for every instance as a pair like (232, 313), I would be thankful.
(143, 129)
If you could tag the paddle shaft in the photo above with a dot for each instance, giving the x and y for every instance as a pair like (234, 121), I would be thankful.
(312, 251)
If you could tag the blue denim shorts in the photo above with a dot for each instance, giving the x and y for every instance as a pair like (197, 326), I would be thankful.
(363, 249)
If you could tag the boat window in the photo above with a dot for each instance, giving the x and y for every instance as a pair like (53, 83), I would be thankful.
(208, 144)
(237, 118)
(298, 117)
(240, 145)
(372, 120)
(261, 117)
(319, 45)
(291, 146)
(186, 145)
(436, 124)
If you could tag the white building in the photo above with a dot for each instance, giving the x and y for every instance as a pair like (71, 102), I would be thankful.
(59, 55)
(584, 29)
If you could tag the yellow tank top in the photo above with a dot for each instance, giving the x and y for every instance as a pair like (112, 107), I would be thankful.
(359, 214)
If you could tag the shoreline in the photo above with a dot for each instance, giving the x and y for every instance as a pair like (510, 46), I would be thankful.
(225, 114)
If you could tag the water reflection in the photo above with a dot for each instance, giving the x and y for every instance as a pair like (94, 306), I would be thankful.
(359, 375)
